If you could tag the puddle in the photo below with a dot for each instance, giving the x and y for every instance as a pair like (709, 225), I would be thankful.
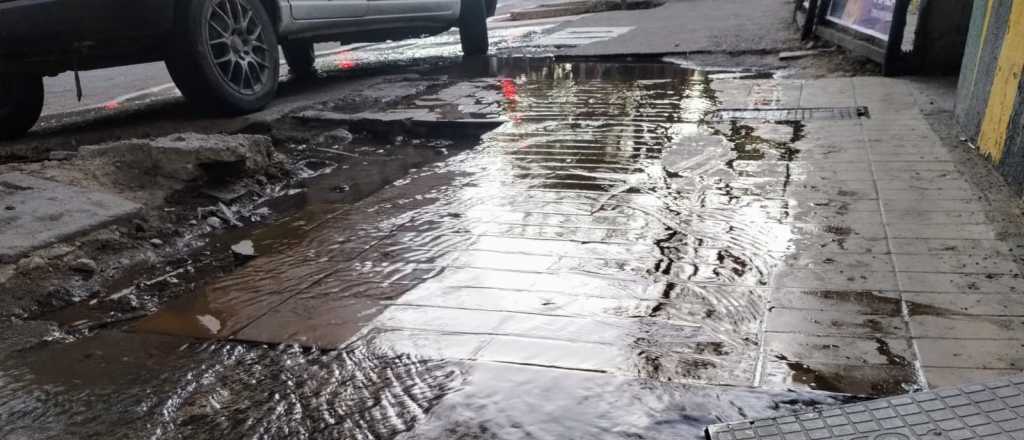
(590, 269)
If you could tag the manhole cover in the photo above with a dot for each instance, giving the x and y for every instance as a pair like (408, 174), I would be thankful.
(991, 410)
(789, 114)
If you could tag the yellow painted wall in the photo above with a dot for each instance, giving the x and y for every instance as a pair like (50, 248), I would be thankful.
(1003, 94)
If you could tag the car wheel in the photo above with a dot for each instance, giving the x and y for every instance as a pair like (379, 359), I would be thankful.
(300, 58)
(473, 27)
(21, 103)
(225, 56)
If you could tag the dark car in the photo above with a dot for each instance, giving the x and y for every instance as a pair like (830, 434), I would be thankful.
(222, 54)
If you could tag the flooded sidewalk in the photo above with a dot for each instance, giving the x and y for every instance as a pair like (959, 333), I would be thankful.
(639, 251)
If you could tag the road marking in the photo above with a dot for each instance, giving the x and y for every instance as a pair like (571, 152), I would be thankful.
(579, 36)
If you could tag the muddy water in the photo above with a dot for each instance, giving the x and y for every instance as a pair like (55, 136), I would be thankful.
(595, 268)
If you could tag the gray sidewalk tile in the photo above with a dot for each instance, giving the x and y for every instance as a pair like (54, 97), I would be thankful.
(39, 212)
(971, 354)
(828, 92)
(826, 323)
(911, 166)
(838, 350)
(865, 380)
(967, 327)
(899, 156)
(919, 177)
(928, 194)
(968, 232)
(939, 377)
(941, 217)
(972, 283)
(826, 215)
(962, 303)
(953, 263)
(839, 244)
(859, 302)
(839, 262)
(840, 230)
(954, 246)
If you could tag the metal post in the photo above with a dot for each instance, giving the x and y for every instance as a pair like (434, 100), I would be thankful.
(894, 46)
(822, 11)
(809, 20)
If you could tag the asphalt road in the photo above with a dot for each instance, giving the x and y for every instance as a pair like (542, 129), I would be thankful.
(105, 85)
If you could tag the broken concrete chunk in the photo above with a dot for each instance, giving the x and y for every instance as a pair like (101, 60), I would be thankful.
(55, 251)
(63, 155)
(335, 138)
(84, 265)
(184, 156)
(244, 249)
(214, 222)
(317, 115)
(6, 272)
(156, 242)
(228, 193)
(801, 53)
(31, 264)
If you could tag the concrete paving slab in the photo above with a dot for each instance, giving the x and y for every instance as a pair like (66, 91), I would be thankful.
(864, 380)
(961, 303)
(859, 302)
(35, 213)
(828, 323)
(839, 350)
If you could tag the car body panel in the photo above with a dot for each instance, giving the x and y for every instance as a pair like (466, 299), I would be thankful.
(327, 9)
(52, 36)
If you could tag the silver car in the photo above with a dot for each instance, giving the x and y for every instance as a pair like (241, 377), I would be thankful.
(222, 54)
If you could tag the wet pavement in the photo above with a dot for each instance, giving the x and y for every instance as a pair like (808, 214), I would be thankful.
(633, 253)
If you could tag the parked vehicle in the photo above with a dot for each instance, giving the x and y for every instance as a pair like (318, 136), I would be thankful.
(222, 54)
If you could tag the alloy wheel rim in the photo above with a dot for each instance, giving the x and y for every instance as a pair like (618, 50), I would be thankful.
(235, 40)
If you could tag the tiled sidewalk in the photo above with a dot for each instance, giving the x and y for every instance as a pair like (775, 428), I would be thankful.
(607, 229)
(927, 283)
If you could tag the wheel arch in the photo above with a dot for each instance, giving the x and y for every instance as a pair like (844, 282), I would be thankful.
(274, 9)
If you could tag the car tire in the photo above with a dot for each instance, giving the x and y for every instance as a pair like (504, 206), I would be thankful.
(473, 27)
(21, 103)
(300, 58)
(224, 55)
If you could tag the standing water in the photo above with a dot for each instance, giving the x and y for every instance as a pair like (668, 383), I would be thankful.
(596, 268)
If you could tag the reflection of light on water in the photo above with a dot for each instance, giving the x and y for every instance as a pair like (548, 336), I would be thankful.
(346, 64)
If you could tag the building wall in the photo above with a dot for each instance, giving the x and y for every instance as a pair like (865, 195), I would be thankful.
(990, 96)
(941, 35)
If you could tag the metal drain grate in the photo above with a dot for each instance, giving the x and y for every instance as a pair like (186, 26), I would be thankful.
(789, 114)
(993, 410)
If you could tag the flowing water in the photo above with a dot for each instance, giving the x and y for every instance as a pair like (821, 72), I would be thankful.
(596, 268)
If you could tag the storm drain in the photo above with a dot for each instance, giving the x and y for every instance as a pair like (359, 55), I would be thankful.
(993, 409)
(790, 114)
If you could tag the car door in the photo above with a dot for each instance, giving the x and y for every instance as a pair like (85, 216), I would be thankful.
(431, 10)
(327, 9)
